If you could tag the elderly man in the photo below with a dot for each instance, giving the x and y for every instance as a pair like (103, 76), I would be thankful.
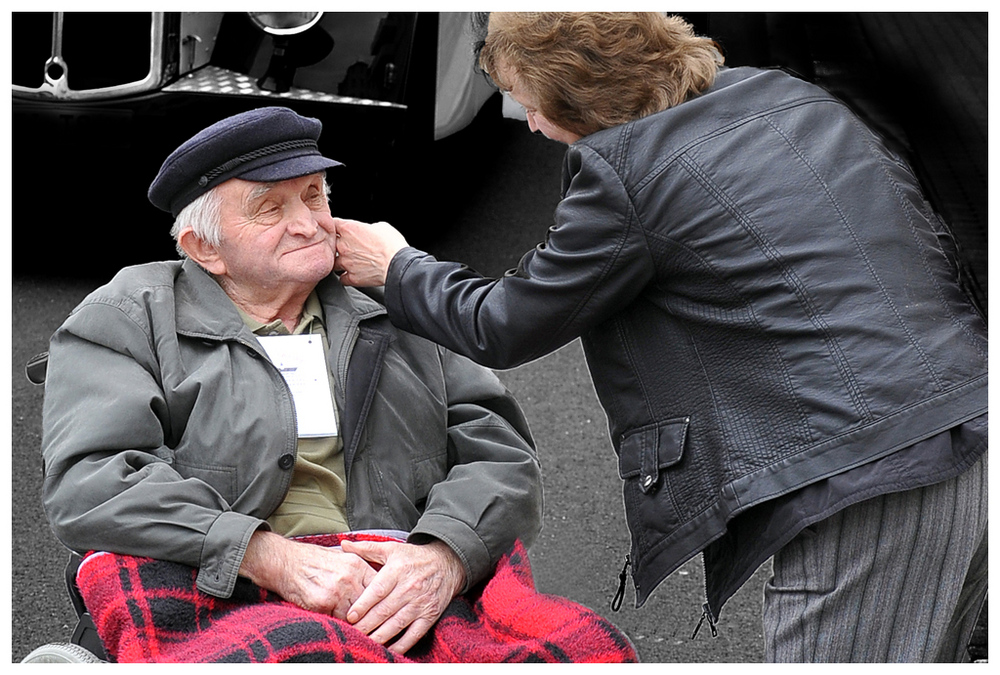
(205, 411)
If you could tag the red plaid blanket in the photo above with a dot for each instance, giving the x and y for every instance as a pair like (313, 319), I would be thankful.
(150, 611)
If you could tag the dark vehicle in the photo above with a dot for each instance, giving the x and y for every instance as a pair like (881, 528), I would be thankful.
(101, 98)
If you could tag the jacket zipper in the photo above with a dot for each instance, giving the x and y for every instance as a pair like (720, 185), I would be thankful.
(706, 612)
(616, 602)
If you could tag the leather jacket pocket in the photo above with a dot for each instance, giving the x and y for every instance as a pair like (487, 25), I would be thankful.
(644, 454)
(645, 451)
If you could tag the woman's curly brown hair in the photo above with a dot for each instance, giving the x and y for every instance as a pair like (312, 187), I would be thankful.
(591, 71)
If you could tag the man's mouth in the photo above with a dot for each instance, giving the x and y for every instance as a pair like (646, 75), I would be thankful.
(302, 248)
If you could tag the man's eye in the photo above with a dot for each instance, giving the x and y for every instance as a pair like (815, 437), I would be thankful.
(269, 210)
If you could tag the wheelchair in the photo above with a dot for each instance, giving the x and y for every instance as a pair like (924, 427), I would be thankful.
(84, 645)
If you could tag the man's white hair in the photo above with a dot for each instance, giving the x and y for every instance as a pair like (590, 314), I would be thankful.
(204, 216)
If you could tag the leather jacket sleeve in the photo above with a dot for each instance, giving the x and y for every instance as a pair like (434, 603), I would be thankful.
(593, 263)
(101, 360)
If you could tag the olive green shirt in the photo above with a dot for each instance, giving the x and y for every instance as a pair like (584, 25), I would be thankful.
(315, 503)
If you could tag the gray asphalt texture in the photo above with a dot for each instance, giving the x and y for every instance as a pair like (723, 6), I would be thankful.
(503, 212)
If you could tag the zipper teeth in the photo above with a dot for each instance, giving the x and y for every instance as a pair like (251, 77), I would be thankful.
(707, 611)
(616, 602)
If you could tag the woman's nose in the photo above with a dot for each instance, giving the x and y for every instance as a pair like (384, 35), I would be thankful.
(531, 122)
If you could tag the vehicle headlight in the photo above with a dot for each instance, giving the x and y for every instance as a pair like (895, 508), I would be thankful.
(285, 23)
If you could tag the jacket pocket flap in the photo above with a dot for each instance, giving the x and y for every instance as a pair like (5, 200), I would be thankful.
(646, 450)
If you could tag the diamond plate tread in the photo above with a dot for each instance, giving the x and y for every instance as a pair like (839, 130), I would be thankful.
(220, 81)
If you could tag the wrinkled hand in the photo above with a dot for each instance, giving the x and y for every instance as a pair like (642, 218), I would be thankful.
(365, 251)
(313, 577)
(409, 593)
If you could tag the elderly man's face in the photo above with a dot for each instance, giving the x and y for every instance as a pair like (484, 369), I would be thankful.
(275, 234)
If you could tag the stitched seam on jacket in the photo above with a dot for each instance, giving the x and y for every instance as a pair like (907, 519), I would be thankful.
(799, 289)
(864, 254)
(974, 340)
(624, 140)
(630, 217)
(144, 327)
(399, 282)
(626, 343)
(747, 306)
(683, 150)
(119, 305)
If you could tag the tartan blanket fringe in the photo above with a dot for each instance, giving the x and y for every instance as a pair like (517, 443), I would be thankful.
(150, 611)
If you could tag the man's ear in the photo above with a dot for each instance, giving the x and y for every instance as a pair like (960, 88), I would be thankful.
(202, 252)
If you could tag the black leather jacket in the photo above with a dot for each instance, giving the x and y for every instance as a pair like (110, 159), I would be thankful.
(764, 296)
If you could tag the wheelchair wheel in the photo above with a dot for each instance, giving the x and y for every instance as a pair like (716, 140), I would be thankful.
(61, 652)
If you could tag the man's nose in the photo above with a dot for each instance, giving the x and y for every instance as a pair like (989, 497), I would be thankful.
(302, 221)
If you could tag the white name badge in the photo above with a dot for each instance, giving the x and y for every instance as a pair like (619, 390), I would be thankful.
(301, 362)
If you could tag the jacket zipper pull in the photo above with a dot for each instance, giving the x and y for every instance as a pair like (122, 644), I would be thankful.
(616, 603)
(705, 614)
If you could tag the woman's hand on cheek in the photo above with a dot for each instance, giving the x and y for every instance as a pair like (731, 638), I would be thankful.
(364, 251)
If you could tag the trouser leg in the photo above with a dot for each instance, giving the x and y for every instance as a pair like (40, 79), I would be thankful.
(954, 645)
(896, 578)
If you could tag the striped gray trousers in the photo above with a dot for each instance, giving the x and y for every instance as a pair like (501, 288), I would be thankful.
(896, 578)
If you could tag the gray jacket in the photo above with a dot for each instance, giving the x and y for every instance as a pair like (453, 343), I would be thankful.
(167, 432)
(764, 296)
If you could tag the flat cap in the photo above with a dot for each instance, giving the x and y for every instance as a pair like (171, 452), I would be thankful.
(264, 145)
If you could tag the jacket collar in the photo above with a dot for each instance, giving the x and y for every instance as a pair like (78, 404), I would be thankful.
(204, 310)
